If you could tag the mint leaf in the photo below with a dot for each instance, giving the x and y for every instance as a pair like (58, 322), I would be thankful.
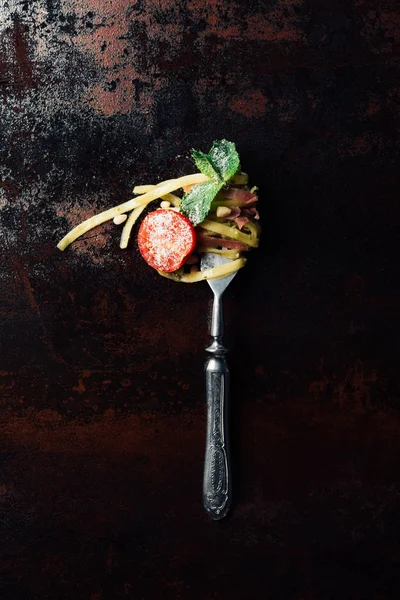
(204, 165)
(220, 164)
(224, 157)
(196, 203)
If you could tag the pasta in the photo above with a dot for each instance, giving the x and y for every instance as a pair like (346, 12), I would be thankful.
(229, 228)
(157, 192)
(214, 273)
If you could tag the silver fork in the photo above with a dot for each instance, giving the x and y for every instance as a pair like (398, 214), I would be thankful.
(217, 485)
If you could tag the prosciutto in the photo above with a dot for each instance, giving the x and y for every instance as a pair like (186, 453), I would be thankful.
(208, 240)
(242, 215)
(241, 221)
(250, 212)
(235, 212)
(242, 197)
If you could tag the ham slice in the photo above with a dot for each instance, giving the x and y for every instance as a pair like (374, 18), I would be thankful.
(241, 221)
(235, 212)
(242, 215)
(208, 240)
(250, 212)
(242, 197)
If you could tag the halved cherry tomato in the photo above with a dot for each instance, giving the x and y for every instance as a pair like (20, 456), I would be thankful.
(166, 239)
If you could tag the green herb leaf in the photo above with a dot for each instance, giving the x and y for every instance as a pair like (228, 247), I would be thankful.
(196, 204)
(223, 155)
(220, 164)
(204, 165)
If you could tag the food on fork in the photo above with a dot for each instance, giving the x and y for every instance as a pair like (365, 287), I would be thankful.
(216, 214)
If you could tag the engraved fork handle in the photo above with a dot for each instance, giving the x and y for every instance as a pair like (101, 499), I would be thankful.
(217, 493)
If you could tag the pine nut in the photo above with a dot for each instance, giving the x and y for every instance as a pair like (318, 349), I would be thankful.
(223, 211)
(165, 204)
(119, 219)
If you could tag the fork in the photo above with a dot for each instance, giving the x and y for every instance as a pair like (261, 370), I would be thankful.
(217, 485)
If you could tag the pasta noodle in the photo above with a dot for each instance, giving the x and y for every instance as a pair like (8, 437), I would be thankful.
(160, 190)
(229, 232)
(126, 232)
(217, 229)
(214, 273)
(223, 251)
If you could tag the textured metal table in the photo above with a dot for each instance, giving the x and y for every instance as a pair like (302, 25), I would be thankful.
(102, 420)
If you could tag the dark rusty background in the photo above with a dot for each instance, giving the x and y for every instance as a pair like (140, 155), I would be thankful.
(102, 422)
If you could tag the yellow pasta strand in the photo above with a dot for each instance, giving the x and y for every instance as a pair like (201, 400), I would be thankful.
(159, 191)
(229, 232)
(126, 232)
(214, 273)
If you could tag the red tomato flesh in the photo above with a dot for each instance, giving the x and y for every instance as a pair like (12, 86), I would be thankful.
(166, 239)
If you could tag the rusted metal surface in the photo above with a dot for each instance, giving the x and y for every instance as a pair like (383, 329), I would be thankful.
(102, 420)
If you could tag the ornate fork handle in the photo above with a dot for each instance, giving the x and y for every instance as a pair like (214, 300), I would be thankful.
(217, 494)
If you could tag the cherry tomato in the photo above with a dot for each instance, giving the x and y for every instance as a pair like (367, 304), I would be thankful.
(166, 239)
